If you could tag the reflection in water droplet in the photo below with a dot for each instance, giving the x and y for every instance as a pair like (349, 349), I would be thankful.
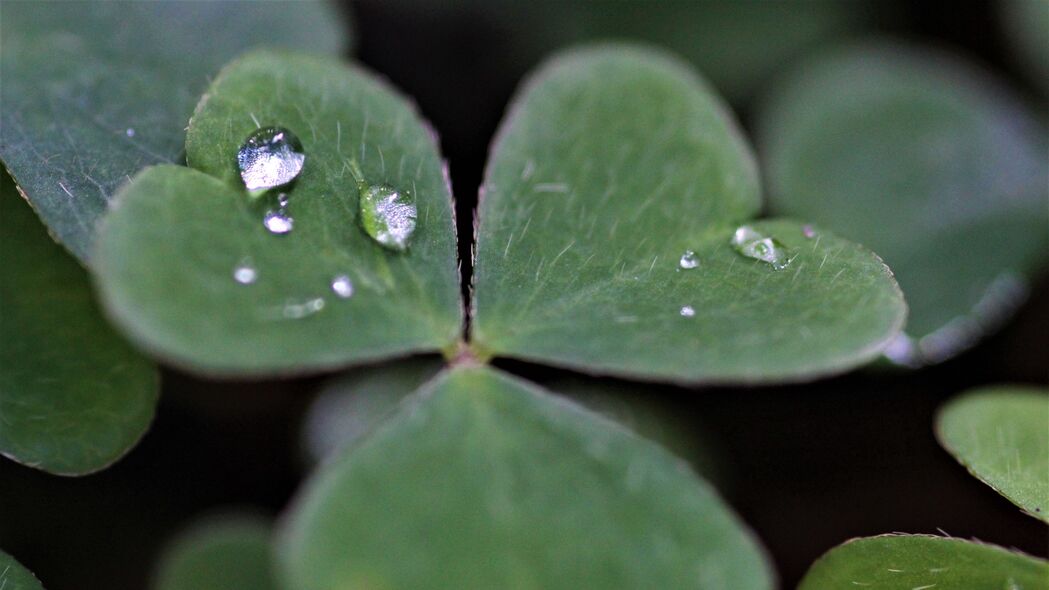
(244, 273)
(753, 244)
(278, 222)
(294, 311)
(386, 214)
(342, 286)
(808, 231)
(130, 132)
(689, 260)
(688, 311)
(270, 157)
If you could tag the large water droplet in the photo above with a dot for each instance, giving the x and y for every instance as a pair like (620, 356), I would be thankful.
(270, 157)
(688, 311)
(342, 286)
(386, 213)
(244, 273)
(689, 260)
(753, 244)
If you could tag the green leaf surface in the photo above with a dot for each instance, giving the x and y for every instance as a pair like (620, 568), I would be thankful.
(485, 481)
(612, 164)
(1001, 435)
(929, 162)
(15, 577)
(74, 396)
(169, 251)
(224, 552)
(95, 90)
(924, 562)
(350, 405)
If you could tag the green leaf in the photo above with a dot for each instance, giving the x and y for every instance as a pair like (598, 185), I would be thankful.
(15, 577)
(485, 481)
(613, 163)
(94, 91)
(169, 250)
(1001, 435)
(930, 163)
(74, 397)
(225, 552)
(350, 405)
(920, 562)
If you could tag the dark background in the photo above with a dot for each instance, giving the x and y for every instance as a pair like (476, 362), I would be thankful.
(807, 466)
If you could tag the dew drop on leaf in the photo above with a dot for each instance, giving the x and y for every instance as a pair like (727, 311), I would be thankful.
(270, 157)
(688, 311)
(689, 260)
(387, 214)
(244, 273)
(342, 286)
(753, 244)
(278, 222)
(808, 231)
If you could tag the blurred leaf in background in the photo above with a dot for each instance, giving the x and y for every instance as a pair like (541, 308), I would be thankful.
(226, 551)
(74, 396)
(930, 162)
(95, 91)
(15, 577)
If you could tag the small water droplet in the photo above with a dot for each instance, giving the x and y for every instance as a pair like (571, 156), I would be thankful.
(687, 311)
(130, 132)
(342, 286)
(386, 213)
(689, 260)
(244, 273)
(270, 157)
(294, 311)
(753, 244)
(278, 222)
(808, 231)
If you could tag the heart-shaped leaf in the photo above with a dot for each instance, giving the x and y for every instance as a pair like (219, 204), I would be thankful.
(74, 396)
(187, 266)
(609, 207)
(924, 562)
(930, 163)
(484, 481)
(1001, 435)
(15, 577)
(94, 91)
(223, 552)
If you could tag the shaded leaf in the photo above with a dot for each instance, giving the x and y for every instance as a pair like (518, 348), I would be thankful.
(1001, 435)
(613, 163)
(94, 91)
(224, 552)
(74, 397)
(15, 577)
(928, 162)
(1027, 30)
(523, 491)
(350, 405)
(170, 252)
(911, 562)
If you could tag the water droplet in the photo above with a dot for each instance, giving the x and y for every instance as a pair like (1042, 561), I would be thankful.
(689, 260)
(244, 273)
(130, 132)
(753, 244)
(294, 311)
(342, 286)
(270, 157)
(687, 311)
(808, 231)
(386, 213)
(278, 222)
